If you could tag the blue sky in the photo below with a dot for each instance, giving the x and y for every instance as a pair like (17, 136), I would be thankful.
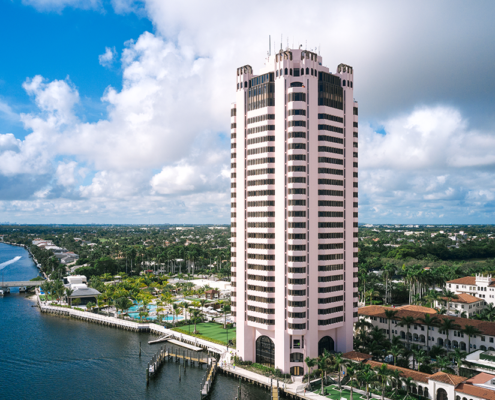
(118, 111)
(61, 44)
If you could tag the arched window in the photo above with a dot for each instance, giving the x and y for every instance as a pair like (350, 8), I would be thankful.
(422, 338)
(425, 393)
(442, 394)
(455, 344)
(440, 341)
(302, 71)
(491, 348)
(311, 71)
(414, 390)
(291, 71)
(482, 347)
(276, 73)
(296, 357)
(326, 342)
(307, 71)
(402, 335)
(344, 83)
(245, 84)
(265, 351)
(457, 397)
(281, 72)
(286, 71)
(463, 346)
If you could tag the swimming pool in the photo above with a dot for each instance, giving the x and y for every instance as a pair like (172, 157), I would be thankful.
(167, 318)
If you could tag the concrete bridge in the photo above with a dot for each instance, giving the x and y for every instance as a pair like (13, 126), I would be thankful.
(21, 283)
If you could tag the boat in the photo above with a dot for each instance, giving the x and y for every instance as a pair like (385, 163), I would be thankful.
(22, 289)
(5, 290)
(1, 293)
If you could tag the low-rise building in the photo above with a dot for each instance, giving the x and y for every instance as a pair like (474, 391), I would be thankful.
(425, 336)
(438, 386)
(80, 290)
(467, 303)
(481, 286)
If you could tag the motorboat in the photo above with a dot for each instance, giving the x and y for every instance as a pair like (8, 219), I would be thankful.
(5, 290)
(1, 293)
(22, 289)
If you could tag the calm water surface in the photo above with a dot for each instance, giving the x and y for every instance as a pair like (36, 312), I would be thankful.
(49, 357)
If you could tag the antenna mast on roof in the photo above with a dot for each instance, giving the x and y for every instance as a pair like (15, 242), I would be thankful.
(269, 45)
(281, 41)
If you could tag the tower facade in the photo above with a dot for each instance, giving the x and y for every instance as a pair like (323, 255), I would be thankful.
(294, 189)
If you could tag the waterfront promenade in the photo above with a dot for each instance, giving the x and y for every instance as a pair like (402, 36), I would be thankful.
(293, 390)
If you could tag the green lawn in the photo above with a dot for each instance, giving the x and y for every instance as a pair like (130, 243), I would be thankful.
(332, 392)
(210, 330)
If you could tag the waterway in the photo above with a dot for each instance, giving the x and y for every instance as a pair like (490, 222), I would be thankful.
(49, 357)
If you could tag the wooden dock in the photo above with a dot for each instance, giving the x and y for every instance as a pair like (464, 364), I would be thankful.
(176, 355)
(207, 381)
(187, 346)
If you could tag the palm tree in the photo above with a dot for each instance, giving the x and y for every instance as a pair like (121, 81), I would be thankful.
(90, 305)
(382, 374)
(470, 330)
(338, 361)
(225, 310)
(395, 351)
(459, 356)
(396, 377)
(390, 314)
(407, 322)
(175, 308)
(372, 293)
(322, 366)
(408, 383)
(449, 295)
(429, 322)
(367, 376)
(443, 364)
(310, 362)
(196, 313)
(352, 375)
(431, 297)
(185, 305)
(421, 357)
(437, 351)
(68, 293)
(363, 324)
(447, 325)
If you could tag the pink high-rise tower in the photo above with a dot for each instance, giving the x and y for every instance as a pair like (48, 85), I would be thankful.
(294, 210)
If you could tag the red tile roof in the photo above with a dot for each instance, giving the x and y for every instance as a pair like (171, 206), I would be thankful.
(477, 391)
(487, 328)
(407, 373)
(357, 356)
(448, 378)
(412, 307)
(463, 298)
(467, 280)
(480, 378)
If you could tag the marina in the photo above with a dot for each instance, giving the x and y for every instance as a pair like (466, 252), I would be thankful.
(105, 361)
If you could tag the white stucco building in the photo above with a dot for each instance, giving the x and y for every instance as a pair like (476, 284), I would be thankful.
(481, 286)
(294, 176)
(438, 386)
